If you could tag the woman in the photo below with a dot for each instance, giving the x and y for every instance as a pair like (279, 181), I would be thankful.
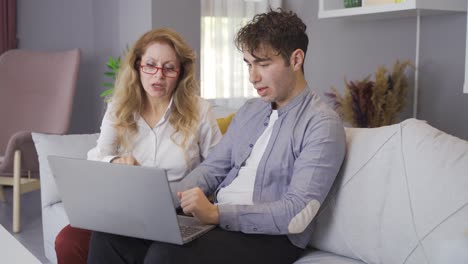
(154, 118)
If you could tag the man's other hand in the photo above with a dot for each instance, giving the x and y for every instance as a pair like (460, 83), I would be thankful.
(195, 202)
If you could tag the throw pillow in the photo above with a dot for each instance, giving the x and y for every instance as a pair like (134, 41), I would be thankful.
(224, 122)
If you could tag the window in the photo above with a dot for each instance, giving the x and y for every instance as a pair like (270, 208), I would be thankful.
(223, 70)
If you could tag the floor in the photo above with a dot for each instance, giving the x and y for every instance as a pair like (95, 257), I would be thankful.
(31, 221)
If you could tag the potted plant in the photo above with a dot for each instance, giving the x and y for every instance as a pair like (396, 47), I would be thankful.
(113, 65)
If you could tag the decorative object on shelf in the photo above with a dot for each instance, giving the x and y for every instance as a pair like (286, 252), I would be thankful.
(352, 3)
(368, 103)
(113, 65)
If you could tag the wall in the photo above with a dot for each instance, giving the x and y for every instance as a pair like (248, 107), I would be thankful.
(86, 24)
(182, 16)
(443, 102)
(134, 20)
(338, 48)
(353, 49)
(100, 28)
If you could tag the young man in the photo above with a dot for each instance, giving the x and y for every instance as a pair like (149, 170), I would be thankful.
(269, 174)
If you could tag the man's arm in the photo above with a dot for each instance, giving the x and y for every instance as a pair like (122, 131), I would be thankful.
(212, 171)
(314, 172)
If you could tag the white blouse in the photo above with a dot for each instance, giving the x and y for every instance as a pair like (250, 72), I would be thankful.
(154, 146)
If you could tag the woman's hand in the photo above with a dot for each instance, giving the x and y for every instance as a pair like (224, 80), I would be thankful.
(129, 160)
(195, 202)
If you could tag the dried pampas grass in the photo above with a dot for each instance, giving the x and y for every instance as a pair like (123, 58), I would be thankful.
(376, 103)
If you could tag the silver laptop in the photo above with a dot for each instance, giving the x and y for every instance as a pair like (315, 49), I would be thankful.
(133, 201)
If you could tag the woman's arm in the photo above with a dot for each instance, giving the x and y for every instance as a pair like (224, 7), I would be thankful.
(105, 150)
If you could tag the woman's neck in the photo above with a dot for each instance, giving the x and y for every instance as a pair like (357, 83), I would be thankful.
(156, 105)
(154, 109)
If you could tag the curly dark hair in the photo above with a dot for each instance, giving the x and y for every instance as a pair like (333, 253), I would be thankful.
(284, 31)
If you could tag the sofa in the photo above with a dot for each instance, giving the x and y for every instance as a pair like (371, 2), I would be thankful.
(400, 197)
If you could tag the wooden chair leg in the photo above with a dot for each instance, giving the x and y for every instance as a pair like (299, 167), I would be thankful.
(2, 194)
(16, 191)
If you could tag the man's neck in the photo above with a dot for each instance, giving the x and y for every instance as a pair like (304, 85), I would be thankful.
(299, 86)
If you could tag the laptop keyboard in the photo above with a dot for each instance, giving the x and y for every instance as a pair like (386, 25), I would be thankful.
(190, 226)
(187, 231)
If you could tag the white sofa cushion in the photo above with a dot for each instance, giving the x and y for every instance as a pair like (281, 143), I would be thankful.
(322, 257)
(396, 187)
(225, 106)
(54, 217)
(437, 169)
(74, 146)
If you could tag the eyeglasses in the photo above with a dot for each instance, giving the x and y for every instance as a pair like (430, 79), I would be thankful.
(166, 72)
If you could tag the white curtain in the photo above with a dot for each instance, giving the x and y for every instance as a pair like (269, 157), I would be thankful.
(223, 71)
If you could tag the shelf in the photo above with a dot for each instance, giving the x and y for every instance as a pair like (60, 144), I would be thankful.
(335, 9)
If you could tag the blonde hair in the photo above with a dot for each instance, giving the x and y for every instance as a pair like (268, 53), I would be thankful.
(129, 96)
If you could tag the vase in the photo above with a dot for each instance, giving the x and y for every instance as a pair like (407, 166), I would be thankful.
(352, 3)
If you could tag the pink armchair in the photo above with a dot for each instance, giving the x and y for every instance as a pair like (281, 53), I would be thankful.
(36, 95)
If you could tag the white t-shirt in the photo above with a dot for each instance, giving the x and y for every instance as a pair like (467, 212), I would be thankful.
(240, 191)
(154, 146)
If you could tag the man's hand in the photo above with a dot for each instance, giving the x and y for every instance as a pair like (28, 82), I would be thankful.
(129, 160)
(194, 201)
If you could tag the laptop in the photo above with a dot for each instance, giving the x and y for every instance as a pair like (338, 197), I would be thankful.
(134, 201)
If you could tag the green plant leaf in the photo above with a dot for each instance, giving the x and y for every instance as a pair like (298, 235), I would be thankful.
(113, 66)
(106, 92)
